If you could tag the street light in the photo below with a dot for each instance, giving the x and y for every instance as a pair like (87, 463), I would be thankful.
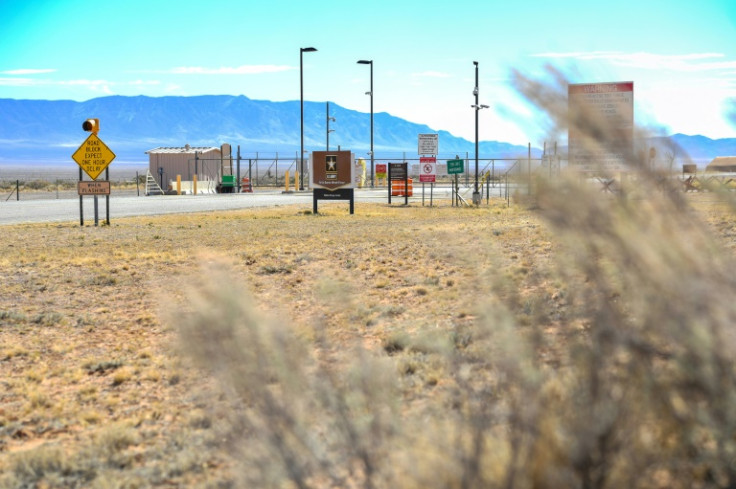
(370, 62)
(301, 105)
(477, 107)
(328, 126)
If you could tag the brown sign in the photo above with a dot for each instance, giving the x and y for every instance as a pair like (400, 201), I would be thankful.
(397, 171)
(94, 188)
(332, 169)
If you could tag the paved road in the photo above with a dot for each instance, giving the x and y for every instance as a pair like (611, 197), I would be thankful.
(64, 210)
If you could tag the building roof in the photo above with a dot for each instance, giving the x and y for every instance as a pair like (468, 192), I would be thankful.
(182, 149)
(722, 163)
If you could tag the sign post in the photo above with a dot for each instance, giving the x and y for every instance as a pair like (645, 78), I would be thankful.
(455, 167)
(381, 171)
(93, 157)
(93, 188)
(428, 174)
(428, 169)
(398, 172)
(611, 105)
(333, 177)
(428, 144)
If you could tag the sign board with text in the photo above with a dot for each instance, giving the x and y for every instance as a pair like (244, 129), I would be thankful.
(429, 144)
(333, 177)
(93, 156)
(101, 187)
(332, 170)
(455, 166)
(398, 171)
(381, 170)
(610, 108)
(427, 169)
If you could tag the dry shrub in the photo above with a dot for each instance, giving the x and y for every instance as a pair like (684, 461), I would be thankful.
(315, 420)
(641, 394)
(647, 394)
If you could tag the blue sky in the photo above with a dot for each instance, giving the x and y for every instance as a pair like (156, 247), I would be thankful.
(680, 54)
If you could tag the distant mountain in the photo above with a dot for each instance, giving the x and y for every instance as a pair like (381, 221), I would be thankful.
(697, 147)
(38, 130)
(46, 131)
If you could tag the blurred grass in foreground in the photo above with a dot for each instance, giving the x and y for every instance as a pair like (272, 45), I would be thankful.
(641, 392)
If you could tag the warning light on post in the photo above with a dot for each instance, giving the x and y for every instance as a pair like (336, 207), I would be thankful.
(91, 125)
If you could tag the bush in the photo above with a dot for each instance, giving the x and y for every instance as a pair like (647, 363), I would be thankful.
(641, 392)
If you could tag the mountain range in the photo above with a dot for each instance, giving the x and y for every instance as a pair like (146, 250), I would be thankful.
(38, 131)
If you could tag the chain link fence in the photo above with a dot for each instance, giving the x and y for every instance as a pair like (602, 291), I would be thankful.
(39, 187)
(269, 170)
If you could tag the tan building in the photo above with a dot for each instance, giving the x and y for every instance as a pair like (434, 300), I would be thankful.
(209, 163)
(723, 164)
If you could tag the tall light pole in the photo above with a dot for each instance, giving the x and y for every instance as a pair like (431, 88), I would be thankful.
(301, 105)
(370, 62)
(477, 107)
(327, 143)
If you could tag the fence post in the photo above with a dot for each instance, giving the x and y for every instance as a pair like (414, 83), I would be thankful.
(467, 173)
(17, 190)
(529, 169)
(239, 189)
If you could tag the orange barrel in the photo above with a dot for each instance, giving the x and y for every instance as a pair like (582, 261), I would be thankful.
(397, 188)
(245, 185)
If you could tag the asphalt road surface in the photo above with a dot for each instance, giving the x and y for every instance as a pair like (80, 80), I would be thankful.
(67, 210)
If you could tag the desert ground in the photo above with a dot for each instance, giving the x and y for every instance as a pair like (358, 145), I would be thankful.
(115, 369)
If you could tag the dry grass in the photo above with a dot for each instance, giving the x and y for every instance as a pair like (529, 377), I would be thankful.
(95, 392)
(574, 339)
(84, 346)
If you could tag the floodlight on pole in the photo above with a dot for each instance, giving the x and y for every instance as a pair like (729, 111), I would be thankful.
(301, 106)
(328, 130)
(477, 107)
(370, 62)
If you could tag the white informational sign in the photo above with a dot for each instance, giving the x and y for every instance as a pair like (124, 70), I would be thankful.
(611, 105)
(429, 144)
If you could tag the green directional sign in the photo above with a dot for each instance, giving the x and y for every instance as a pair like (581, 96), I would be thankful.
(455, 166)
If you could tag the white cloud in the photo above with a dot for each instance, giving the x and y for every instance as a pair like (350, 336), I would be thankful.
(692, 62)
(142, 83)
(95, 84)
(228, 70)
(17, 82)
(101, 86)
(431, 74)
(27, 72)
(27, 82)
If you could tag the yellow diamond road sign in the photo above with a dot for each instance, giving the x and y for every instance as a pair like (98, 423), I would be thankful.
(93, 156)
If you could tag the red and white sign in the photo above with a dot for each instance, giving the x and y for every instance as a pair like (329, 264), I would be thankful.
(381, 170)
(427, 169)
(612, 106)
